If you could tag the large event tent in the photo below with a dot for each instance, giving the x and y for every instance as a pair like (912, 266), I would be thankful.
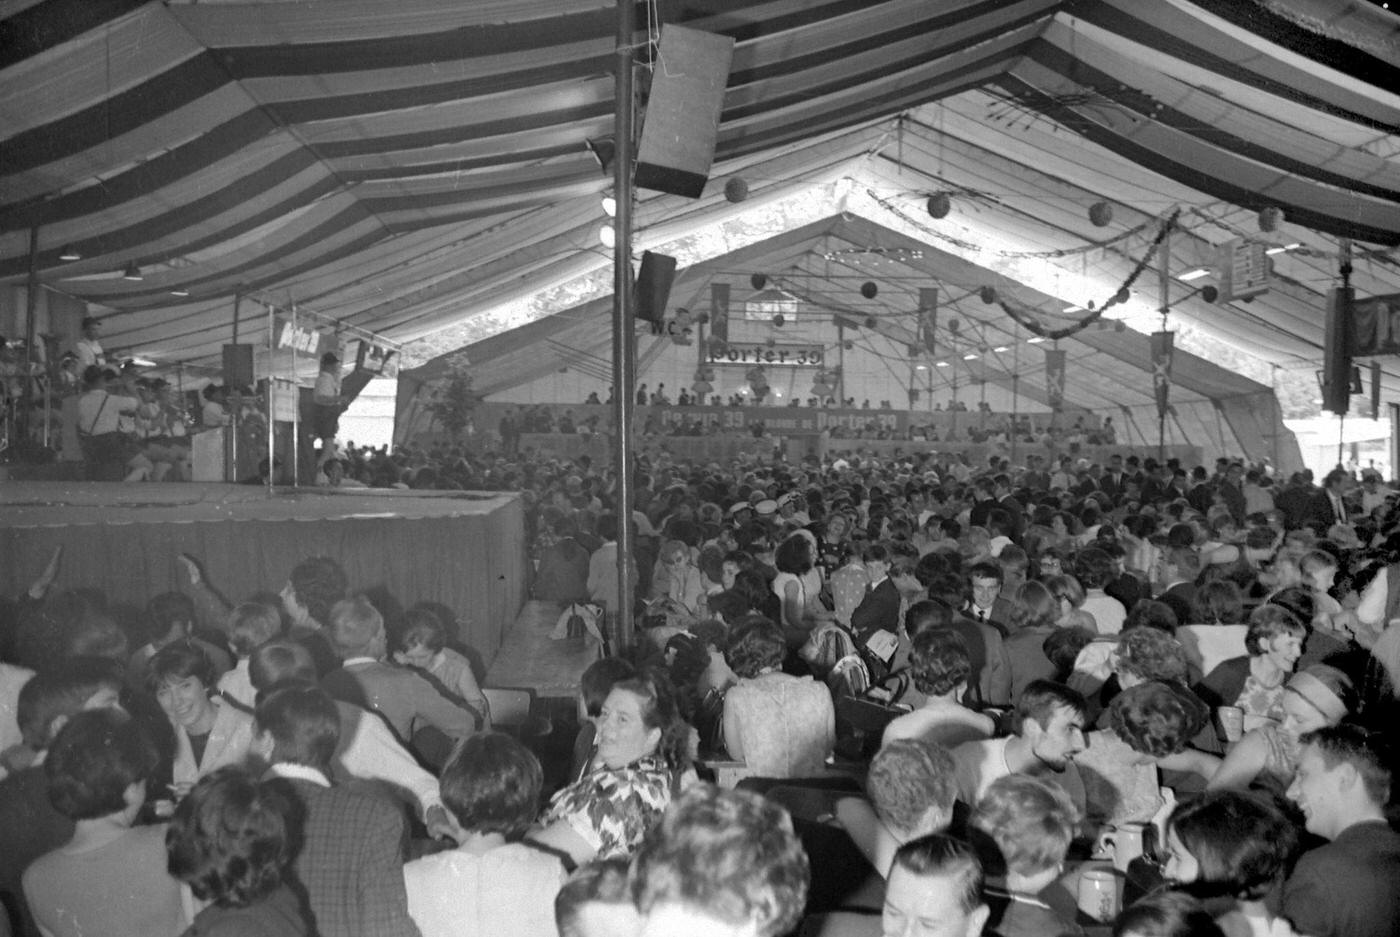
(403, 167)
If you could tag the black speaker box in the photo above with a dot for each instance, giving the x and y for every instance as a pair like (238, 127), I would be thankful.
(238, 366)
(682, 113)
(653, 286)
(1336, 355)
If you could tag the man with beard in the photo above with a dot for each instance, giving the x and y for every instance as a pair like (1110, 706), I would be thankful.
(1049, 732)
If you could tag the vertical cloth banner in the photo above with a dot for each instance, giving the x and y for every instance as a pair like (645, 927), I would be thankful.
(1055, 378)
(928, 317)
(719, 312)
(1162, 349)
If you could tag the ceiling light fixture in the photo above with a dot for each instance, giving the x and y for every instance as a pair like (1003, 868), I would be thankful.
(1073, 309)
(132, 272)
(607, 236)
(1001, 348)
(179, 291)
(969, 357)
(609, 206)
(1283, 249)
(940, 364)
(1190, 275)
(68, 253)
(1036, 341)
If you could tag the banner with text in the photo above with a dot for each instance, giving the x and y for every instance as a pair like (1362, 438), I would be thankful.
(747, 354)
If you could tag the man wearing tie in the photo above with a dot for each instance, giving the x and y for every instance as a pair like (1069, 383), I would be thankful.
(987, 605)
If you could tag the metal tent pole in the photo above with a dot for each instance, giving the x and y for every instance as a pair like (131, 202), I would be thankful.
(624, 340)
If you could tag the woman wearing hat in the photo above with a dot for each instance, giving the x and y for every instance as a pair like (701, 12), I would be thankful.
(1316, 697)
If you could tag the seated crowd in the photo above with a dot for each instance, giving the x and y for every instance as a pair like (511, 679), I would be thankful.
(861, 699)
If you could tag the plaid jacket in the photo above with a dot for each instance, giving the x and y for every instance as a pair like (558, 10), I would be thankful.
(351, 862)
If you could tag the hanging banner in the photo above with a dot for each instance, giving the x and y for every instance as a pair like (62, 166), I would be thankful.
(750, 353)
(928, 317)
(1375, 325)
(1055, 378)
(1244, 269)
(1162, 349)
(719, 311)
(300, 338)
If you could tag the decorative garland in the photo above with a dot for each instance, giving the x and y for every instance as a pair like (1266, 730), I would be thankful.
(1020, 313)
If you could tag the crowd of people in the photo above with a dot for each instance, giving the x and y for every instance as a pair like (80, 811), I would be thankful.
(910, 697)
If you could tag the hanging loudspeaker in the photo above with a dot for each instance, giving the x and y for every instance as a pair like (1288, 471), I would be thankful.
(653, 286)
(682, 113)
(238, 366)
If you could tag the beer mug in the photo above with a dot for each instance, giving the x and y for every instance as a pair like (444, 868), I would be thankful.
(1098, 894)
(1124, 842)
(1231, 722)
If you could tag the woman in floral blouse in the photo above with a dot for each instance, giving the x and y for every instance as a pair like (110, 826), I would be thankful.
(638, 764)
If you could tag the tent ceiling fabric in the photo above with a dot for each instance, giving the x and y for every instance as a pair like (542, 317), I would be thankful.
(404, 166)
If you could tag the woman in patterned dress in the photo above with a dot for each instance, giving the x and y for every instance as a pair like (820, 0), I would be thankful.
(638, 763)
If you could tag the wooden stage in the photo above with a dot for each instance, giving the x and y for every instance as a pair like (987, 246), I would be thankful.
(465, 550)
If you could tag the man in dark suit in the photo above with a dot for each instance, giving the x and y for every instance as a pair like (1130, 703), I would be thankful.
(879, 610)
(1329, 505)
(987, 604)
(1296, 499)
(1348, 887)
(1175, 579)
(350, 868)
(1111, 482)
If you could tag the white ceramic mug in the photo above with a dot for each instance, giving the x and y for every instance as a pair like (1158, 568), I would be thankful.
(1124, 842)
(1098, 894)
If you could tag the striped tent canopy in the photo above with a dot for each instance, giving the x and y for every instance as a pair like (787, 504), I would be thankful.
(401, 167)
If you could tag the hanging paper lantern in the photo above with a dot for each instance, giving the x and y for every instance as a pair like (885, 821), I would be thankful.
(868, 289)
(1269, 218)
(778, 320)
(870, 322)
(1210, 294)
(759, 281)
(987, 294)
(954, 324)
(939, 204)
(1122, 296)
(1100, 213)
(736, 189)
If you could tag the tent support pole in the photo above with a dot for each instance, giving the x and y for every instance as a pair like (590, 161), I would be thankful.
(624, 341)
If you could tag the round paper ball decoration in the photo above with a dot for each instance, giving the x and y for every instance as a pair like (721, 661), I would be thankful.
(736, 189)
(987, 294)
(778, 319)
(1100, 213)
(1269, 218)
(868, 289)
(1210, 294)
(870, 322)
(1122, 296)
(954, 324)
(939, 204)
(759, 281)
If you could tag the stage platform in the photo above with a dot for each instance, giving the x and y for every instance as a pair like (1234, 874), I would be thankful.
(530, 658)
(463, 549)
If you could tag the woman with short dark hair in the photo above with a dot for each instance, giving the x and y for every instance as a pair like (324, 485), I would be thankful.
(110, 878)
(209, 732)
(781, 726)
(491, 883)
(232, 841)
(1231, 849)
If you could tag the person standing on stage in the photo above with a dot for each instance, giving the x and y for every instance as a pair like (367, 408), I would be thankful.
(327, 405)
(89, 347)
